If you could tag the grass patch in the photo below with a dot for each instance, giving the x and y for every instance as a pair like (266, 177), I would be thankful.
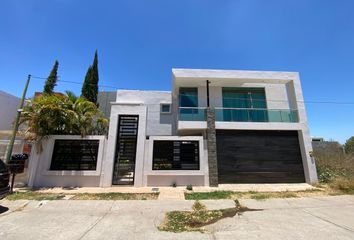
(115, 196)
(208, 195)
(345, 185)
(200, 216)
(262, 196)
(251, 194)
(39, 196)
(34, 196)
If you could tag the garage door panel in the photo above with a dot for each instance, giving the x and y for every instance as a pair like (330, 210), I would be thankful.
(259, 156)
(254, 177)
(261, 168)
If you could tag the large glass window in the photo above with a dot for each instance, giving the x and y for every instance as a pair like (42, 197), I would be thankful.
(188, 103)
(75, 155)
(244, 104)
(188, 97)
(176, 155)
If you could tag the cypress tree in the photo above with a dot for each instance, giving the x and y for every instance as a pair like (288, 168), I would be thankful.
(51, 81)
(90, 86)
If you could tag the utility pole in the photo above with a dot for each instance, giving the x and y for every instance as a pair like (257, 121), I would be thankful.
(12, 141)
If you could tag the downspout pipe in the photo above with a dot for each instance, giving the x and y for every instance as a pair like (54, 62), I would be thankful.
(207, 88)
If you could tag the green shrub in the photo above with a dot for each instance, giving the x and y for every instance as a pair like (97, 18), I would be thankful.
(332, 164)
(189, 187)
(325, 174)
(197, 206)
(349, 145)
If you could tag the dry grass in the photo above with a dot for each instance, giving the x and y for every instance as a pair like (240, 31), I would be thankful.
(32, 195)
(336, 170)
(39, 196)
(200, 216)
(253, 194)
(115, 196)
(332, 164)
(345, 185)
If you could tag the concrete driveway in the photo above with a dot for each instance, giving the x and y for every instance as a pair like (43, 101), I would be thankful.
(297, 218)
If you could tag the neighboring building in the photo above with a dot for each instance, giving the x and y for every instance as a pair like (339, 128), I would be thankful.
(322, 146)
(215, 127)
(104, 100)
(8, 110)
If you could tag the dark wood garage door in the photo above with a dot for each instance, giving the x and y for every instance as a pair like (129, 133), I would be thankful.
(259, 157)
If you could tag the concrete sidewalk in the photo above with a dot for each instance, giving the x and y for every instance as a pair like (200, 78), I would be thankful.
(222, 187)
(177, 193)
(271, 187)
(295, 218)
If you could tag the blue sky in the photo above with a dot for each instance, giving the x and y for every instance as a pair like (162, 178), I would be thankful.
(140, 41)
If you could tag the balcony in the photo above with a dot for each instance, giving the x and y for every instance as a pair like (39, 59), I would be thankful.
(255, 115)
(240, 115)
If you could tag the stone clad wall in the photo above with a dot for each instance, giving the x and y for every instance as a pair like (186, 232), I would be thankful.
(212, 154)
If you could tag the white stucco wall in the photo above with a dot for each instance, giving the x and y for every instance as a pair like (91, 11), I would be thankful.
(108, 165)
(40, 175)
(157, 124)
(8, 110)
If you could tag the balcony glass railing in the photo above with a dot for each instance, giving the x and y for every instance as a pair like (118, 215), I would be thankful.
(239, 114)
(255, 115)
(192, 114)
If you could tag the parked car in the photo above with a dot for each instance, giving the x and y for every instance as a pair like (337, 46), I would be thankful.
(4, 180)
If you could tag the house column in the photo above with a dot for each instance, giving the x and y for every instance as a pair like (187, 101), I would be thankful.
(212, 153)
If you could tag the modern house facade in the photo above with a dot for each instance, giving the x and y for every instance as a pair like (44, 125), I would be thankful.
(214, 127)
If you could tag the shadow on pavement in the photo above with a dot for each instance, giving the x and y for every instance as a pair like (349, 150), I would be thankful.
(3, 209)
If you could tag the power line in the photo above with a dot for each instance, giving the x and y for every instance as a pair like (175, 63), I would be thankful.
(80, 83)
(105, 86)
(267, 100)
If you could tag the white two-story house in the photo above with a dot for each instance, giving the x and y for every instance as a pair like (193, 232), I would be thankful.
(214, 127)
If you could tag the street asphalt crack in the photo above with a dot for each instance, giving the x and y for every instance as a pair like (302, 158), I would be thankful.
(97, 221)
(328, 221)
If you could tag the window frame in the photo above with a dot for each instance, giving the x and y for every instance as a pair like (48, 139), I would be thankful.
(60, 166)
(165, 104)
(249, 100)
(191, 96)
(174, 155)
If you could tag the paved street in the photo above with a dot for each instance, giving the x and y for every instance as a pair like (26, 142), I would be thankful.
(305, 218)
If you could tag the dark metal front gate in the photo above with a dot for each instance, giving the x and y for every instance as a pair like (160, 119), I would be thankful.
(124, 163)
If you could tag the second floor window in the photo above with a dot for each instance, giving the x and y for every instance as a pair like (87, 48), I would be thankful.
(244, 105)
(244, 98)
(188, 97)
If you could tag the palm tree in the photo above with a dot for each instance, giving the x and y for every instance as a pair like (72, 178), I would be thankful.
(62, 115)
(87, 119)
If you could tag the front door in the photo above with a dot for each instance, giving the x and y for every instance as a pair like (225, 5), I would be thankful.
(124, 163)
